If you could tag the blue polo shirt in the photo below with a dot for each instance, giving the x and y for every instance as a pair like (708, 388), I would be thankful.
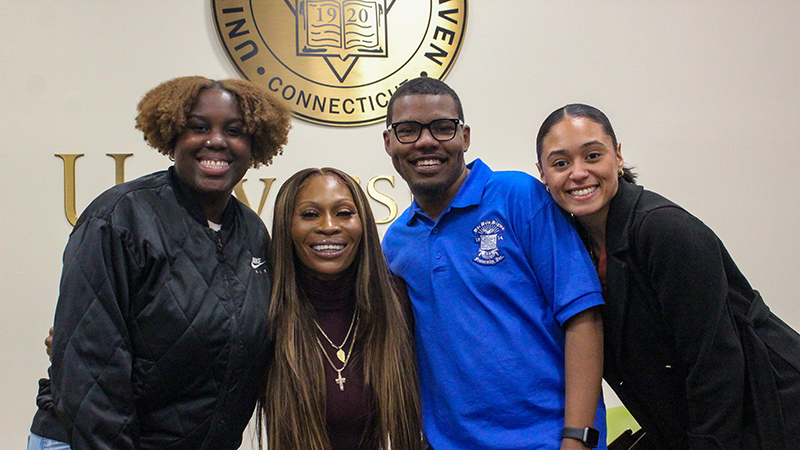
(492, 281)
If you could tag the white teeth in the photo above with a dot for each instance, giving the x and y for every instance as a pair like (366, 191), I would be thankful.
(212, 164)
(586, 191)
(327, 247)
(428, 162)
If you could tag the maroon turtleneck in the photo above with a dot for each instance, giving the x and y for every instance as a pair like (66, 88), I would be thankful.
(348, 412)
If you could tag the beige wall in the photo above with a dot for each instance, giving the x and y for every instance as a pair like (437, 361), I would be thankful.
(704, 97)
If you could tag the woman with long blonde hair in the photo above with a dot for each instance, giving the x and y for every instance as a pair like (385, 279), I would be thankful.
(343, 374)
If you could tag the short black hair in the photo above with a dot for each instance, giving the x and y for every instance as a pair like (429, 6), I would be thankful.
(423, 86)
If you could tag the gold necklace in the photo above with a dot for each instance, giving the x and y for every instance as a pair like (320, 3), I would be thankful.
(339, 352)
(339, 378)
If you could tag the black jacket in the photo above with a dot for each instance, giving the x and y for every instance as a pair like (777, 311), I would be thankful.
(690, 348)
(161, 325)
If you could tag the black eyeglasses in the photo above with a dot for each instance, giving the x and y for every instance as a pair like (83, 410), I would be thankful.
(441, 130)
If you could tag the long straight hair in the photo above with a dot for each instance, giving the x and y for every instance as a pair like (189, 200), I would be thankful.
(292, 407)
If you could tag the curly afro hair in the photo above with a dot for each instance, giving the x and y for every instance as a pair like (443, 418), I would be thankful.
(163, 111)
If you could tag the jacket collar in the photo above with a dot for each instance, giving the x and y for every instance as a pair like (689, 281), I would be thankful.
(188, 199)
(618, 225)
(620, 216)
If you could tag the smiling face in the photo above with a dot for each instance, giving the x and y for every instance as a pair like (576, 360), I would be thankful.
(212, 153)
(326, 227)
(580, 167)
(434, 170)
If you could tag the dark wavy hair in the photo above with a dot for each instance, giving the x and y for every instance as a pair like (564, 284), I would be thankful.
(163, 111)
(586, 112)
(292, 408)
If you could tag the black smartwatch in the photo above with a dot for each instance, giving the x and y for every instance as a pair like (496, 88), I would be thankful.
(588, 436)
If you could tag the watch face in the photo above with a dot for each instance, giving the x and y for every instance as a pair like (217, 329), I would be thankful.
(592, 437)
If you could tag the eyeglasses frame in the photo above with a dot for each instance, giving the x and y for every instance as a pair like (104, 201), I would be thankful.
(423, 126)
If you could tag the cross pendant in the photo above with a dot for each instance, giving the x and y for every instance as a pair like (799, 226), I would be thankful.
(340, 380)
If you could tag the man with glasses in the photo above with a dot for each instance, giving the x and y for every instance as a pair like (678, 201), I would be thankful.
(505, 298)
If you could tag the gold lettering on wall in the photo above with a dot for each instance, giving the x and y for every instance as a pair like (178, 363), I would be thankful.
(242, 196)
(119, 164)
(382, 198)
(267, 185)
(70, 210)
(69, 186)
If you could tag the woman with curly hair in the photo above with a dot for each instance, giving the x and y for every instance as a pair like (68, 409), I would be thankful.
(161, 322)
(343, 375)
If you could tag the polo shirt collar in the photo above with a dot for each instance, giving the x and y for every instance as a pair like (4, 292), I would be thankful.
(469, 194)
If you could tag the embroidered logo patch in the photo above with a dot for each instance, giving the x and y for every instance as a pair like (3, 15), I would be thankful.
(257, 262)
(258, 265)
(488, 235)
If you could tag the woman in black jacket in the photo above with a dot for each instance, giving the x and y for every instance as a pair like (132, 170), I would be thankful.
(161, 323)
(690, 348)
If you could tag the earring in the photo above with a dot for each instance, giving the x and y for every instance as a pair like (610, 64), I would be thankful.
(208, 143)
(621, 172)
(547, 188)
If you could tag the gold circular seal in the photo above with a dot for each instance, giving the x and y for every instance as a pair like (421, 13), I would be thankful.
(339, 61)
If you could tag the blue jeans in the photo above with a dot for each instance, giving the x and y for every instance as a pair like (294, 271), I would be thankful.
(36, 442)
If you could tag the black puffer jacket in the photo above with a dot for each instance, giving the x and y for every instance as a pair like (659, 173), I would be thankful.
(161, 324)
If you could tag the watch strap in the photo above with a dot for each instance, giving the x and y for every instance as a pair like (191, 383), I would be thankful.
(587, 435)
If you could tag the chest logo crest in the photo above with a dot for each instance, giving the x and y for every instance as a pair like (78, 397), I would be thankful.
(488, 234)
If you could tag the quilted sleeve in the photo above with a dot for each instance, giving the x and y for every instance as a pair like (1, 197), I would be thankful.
(92, 360)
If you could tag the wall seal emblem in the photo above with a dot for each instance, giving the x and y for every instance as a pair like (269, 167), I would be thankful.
(337, 62)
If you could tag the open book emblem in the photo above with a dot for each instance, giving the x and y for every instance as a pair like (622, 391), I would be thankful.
(339, 30)
(337, 62)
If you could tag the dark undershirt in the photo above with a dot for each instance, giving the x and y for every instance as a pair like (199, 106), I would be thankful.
(348, 412)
